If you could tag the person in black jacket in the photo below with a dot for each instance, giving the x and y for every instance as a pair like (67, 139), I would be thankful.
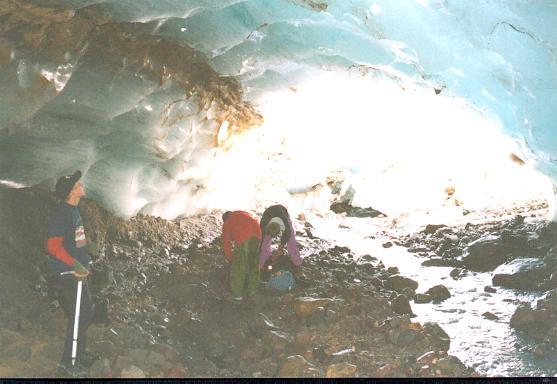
(69, 262)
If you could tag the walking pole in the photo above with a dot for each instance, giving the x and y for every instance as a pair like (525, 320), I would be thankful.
(76, 319)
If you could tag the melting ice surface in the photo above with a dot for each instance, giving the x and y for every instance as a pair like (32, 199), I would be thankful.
(129, 91)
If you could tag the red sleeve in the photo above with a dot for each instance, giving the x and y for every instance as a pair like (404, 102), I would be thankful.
(56, 248)
(226, 242)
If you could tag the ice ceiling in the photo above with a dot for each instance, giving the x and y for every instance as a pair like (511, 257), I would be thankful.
(147, 97)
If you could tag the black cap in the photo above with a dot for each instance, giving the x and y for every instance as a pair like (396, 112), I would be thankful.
(65, 184)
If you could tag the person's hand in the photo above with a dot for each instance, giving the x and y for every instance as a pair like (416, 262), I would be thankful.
(80, 272)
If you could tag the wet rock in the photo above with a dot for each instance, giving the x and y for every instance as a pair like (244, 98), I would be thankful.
(534, 322)
(401, 305)
(305, 306)
(438, 293)
(422, 298)
(523, 315)
(486, 254)
(490, 316)
(297, 366)
(521, 274)
(132, 372)
(398, 283)
(341, 370)
(489, 289)
(387, 244)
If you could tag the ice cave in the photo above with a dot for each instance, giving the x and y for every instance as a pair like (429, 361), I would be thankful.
(424, 110)
(154, 100)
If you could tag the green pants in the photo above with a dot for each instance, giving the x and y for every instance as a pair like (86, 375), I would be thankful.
(244, 271)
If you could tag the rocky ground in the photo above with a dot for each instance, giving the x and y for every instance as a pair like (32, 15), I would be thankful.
(168, 317)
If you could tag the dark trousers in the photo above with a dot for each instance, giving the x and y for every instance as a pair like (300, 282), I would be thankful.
(66, 292)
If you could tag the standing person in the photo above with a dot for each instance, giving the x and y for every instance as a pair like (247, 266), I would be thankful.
(242, 229)
(67, 250)
(275, 223)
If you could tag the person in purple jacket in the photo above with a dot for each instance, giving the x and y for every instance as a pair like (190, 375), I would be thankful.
(276, 223)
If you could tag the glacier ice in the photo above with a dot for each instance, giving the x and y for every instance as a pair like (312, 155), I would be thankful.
(147, 97)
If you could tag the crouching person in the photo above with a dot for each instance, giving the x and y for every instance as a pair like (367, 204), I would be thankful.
(242, 230)
(281, 266)
(68, 263)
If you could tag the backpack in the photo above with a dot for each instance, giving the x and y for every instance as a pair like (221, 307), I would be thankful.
(281, 281)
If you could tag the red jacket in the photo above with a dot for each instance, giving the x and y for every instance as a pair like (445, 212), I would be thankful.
(238, 227)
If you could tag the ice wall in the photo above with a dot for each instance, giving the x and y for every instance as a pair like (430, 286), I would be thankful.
(145, 96)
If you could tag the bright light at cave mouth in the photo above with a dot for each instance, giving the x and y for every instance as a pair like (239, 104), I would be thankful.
(404, 147)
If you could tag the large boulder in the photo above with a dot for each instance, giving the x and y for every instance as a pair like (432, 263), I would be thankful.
(486, 254)
(399, 283)
(535, 322)
(548, 301)
(438, 293)
(401, 305)
(521, 274)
